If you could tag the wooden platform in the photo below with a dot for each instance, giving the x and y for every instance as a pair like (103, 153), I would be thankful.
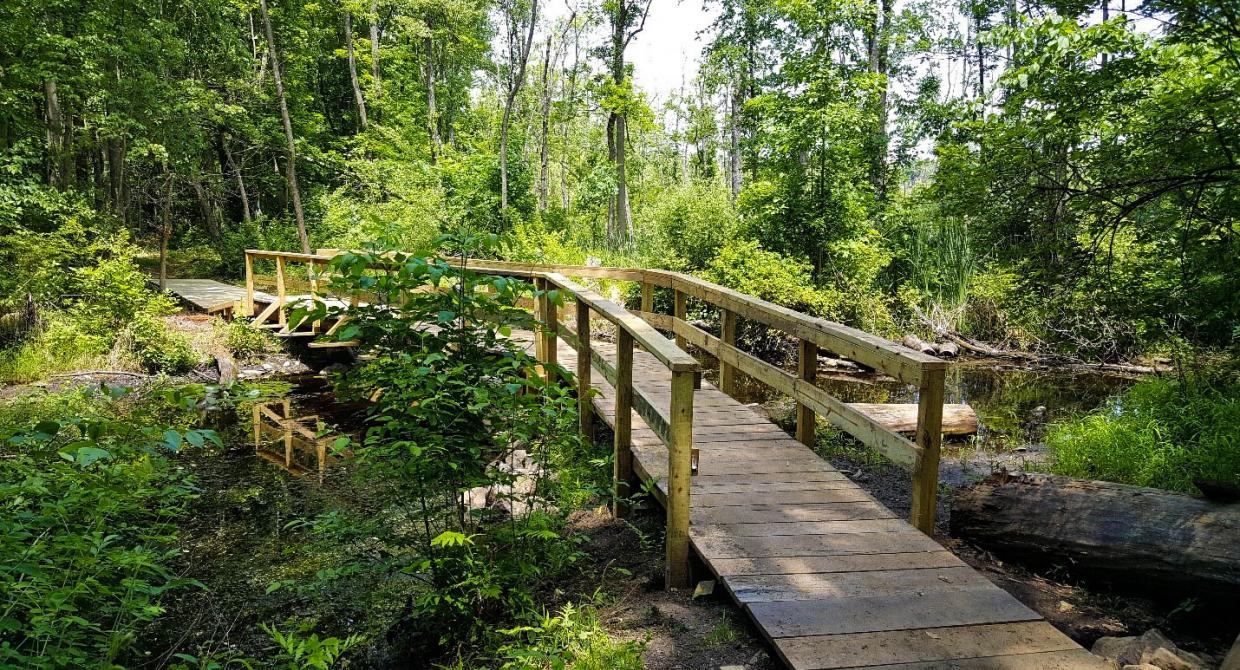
(831, 577)
(210, 296)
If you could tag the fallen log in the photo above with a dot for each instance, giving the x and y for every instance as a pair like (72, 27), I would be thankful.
(948, 349)
(1128, 537)
(902, 418)
(917, 344)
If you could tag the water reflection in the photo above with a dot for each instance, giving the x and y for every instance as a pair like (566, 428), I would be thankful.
(292, 442)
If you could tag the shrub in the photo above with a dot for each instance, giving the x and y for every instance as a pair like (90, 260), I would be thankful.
(1163, 433)
(573, 639)
(160, 349)
(242, 339)
(693, 221)
(88, 504)
(110, 294)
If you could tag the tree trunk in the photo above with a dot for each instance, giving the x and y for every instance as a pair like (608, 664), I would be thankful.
(519, 55)
(165, 231)
(374, 47)
(734, 148)
(240, 179)
(544, 146)
(55, 135)
(621, 235)
(357, 88)
(291, 163)
(1128, 536)
(432, 109)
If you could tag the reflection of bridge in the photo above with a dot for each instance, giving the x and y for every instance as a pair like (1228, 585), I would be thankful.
(291, 442)
(831, 577)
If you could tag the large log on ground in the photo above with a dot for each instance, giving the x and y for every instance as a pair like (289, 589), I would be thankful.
(1127, 536)
(902, 418)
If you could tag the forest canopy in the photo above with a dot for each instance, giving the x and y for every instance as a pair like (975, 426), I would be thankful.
(1049, 175)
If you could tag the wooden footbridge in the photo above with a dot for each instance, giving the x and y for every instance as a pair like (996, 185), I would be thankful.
(830, 576)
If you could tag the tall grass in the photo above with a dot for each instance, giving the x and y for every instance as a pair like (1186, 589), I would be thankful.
(1164, 433)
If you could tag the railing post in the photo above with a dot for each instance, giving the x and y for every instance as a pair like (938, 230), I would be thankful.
(623, 429)
(679, 473)
(281, 294)
(647, 297)
(679, 309)
(727, 333)
(249, 284)
(540, 305)
(930, 440)
(312, 275)
(585, 408)
(807, 369)
(549, 333)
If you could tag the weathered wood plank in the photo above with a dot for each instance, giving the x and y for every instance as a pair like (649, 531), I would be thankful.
(713, 546)
(837, 563)
(787, 513)
(931, 609)
(817, 586)
(927, 645)
(1078, 659)
(769, 529)
(848, 494)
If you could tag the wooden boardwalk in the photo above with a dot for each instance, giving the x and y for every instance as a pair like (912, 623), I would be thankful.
(831, 577)
(210, 296)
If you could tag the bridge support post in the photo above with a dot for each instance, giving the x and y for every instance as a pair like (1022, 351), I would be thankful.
(623, 429)
(281, 293)
(249, 285)
(549, 334)
(727, 333)
(679, 478)
(647, 297)
(807, 369)
(585, 408)
(679, 310)
(930, 440)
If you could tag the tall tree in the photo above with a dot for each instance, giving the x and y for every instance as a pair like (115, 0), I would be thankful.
(357, 87)
(628, 19)
(291, 159)
(520, 18)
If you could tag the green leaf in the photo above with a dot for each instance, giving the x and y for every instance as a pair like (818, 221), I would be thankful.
(87, 455)
(172, 439)
(451, 538)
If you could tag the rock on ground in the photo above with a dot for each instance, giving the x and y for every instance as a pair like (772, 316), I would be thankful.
(1150, 651)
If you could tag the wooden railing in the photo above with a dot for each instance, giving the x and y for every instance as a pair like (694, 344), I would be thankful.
(920, 455)
(675, 427)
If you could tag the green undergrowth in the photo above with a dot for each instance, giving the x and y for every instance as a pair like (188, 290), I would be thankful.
(1163, 432)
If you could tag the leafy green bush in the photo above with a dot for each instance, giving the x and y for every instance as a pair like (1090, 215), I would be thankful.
(88, 504)
(1163, 433)
(693, 221)
(112, 293)
(159, 348)
(574, 639)
(242, 339)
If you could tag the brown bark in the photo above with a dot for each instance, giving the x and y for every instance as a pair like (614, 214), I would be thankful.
(165, 231)
(357, 88)
(1128, 536)
(734, 149)
(291, 163)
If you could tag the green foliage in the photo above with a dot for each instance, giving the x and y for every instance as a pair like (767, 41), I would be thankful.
(298, 652)
(1162, 432)
(159, 348)
(452, 396)
(574, 639)
(693, 221)
(242, 339)
(89, 506)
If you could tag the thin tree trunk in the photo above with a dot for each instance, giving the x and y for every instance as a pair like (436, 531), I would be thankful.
(240, 179)
(357, 88)
(374, 47)
(544, 148)
(165, 231)
(55, 135)
(519, 55)
(432, 107)
(735, 146)
(291, 163)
